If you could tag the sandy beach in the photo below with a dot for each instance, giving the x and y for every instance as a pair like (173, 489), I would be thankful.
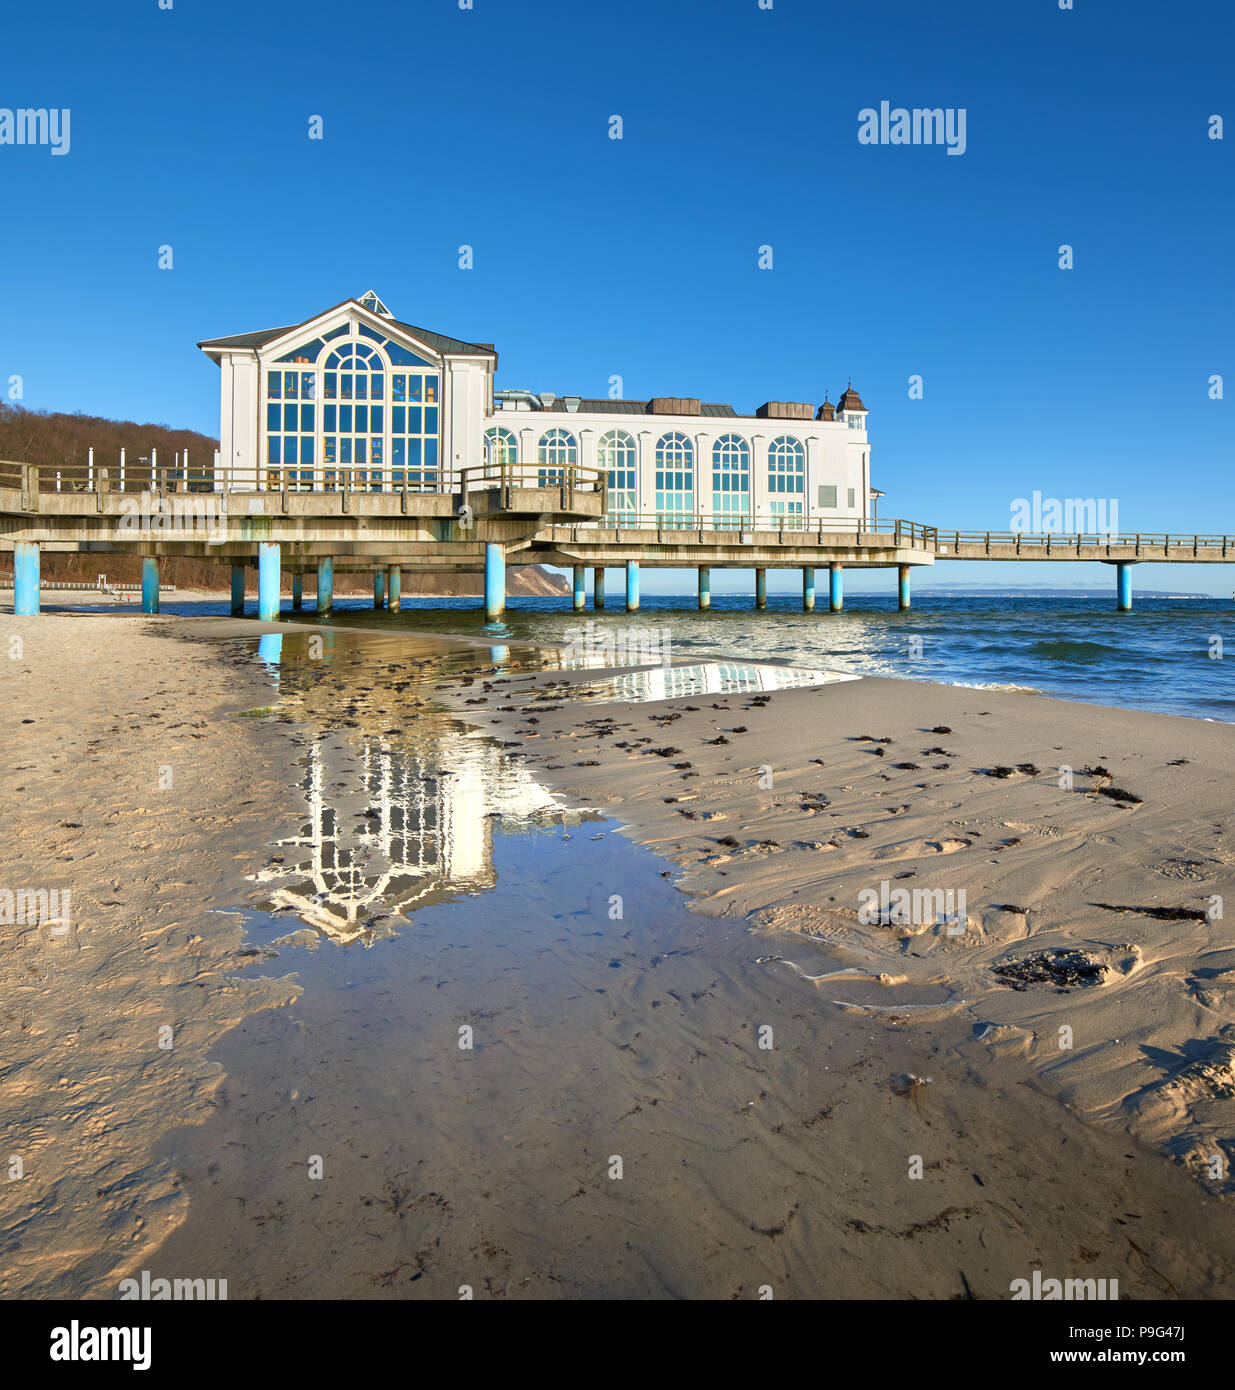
(806, 1090)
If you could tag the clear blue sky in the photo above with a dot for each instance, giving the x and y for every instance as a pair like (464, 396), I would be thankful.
(638, 257)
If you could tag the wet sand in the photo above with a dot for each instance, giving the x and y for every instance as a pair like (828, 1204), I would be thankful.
(599, 1037)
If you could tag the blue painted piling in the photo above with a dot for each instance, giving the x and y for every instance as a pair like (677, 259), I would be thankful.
(379, 589)
(297, 593)
(580, 590)
(394, 588)
(237, 588)
(761, 589)
(495, 581)
(705, 587)
(632, 586)
(836, 587)
(268, 578)
(325, 584)
(25, 578)
(150, 584)
(1123, 584)
(808, 589)
(902, 586)
(598, 587)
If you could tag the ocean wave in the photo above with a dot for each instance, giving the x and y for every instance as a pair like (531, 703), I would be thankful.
(1060, 649)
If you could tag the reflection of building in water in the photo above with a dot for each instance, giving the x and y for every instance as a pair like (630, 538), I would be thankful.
(405, 828)
(708, 678)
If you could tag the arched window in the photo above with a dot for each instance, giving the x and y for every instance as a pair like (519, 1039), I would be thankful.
(558, 451)
(617, 455)
(675, 480)
(341, 410)
(730, 481)
(501, 447)
(786, 476)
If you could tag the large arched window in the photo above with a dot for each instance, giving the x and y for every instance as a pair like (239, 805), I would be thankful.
(352, 408)
(557, 452)
(730, 481)
(675, 480)
(501, 447)
(786, 476)
(617, 455)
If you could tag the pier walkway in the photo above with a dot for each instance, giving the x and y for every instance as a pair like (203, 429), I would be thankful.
(479, 521)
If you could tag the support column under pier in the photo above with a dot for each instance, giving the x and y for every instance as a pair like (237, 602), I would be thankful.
(598, 587)
(269, 577)
(394, 588)
(705, 587)
(25, 578)
(632, 586)
(379, 589)
(237, 589)
(1123, 585)
(297, 593)
(836, 587)
(808, 590)
(495, 581)
(580, 594)
(902, 587)
(761, 589)
(325, 584)
(150, 584)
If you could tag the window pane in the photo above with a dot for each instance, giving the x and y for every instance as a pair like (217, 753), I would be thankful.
(430, 388)
(359, 450)
(331, 422)
(397, 450)
(398, 386)
(291, 386)
(272, 449)
(345, 450)
(414, 413)
(375, 451)
(332, 385)
(362, 419)
(415, 388)
(377, 387)
(306, 449)
(307, 380)
(430, 453)
(362, 386)
(330, 451)
(398, 418)
(375, 419)
(289, 417)
(430, 419)
(306, 418)
(273, 415)
(273, 385)
(345, 419)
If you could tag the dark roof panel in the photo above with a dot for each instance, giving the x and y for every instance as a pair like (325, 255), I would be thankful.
(439, 342)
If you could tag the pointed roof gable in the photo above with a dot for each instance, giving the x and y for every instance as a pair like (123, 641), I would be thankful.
(437, 342)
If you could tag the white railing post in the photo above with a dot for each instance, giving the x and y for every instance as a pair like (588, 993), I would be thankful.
(121, 470)
(90, 471)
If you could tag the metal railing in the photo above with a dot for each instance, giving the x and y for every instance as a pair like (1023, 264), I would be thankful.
(132, 478)
(899, 532)
(1059, 543)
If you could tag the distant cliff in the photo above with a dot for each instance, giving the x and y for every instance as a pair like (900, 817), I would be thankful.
(59, 440)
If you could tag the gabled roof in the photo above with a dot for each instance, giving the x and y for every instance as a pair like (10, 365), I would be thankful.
(439, 342)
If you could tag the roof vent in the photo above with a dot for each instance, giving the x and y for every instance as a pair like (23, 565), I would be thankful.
(673, 405)
(547, 398)
(572, 403)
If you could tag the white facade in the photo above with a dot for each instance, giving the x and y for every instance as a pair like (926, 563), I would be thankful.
(354, 397)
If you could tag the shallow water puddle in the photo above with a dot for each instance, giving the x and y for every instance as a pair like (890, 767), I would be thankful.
(704, 678)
